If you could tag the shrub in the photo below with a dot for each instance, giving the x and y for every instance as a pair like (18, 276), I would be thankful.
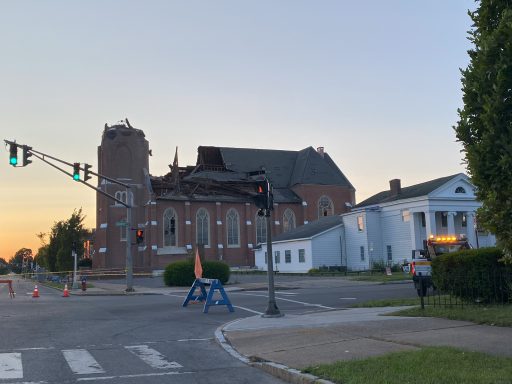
(181, 273)
(473, 274)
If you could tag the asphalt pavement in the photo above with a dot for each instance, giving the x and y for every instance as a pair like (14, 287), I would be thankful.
(285, 345)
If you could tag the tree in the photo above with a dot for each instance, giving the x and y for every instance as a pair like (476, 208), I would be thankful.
(3, 266)
(56, 256)
(485, 125)
(21, 260)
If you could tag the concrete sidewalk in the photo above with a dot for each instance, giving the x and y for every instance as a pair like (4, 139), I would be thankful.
(298, 341)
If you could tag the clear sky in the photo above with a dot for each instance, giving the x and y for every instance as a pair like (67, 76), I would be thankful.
(376, 83)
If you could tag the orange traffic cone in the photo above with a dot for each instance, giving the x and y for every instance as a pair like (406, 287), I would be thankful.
(66, 292)
(36, 292)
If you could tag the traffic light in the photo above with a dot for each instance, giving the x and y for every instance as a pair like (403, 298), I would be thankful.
(76, 171)
(26, 155)
(139, 236)
(86, 172)
(13, 157)
(261, 198)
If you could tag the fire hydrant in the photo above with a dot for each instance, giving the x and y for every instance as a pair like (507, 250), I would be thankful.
(84, 284)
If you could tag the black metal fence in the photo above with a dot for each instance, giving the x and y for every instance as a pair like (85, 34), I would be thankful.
(471, 289)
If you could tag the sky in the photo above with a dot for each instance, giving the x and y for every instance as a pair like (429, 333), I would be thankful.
(376, 83)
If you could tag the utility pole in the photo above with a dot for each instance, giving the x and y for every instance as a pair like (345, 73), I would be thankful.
(129, 258)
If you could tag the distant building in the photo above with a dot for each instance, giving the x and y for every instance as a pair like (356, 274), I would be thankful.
(385, 228)
(208, 204)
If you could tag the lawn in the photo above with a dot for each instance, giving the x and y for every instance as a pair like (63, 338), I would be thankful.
(380, 277)
(439, 365)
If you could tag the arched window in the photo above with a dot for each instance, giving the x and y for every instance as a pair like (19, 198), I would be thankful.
(170, 228)
(325, 207)
(460, 190)
(288, 220)
(261, 229)
(233, 226)
(202, 227)
(121, 195)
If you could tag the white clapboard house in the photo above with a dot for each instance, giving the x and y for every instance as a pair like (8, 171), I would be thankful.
(385, 228)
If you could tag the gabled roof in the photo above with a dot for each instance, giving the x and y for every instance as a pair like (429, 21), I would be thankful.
(284, 169)
(418, 190)
(310, 230)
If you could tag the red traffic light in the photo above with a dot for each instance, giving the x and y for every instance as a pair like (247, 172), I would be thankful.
(139, 236)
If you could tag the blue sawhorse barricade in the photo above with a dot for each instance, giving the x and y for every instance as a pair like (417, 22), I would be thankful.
(214, 284)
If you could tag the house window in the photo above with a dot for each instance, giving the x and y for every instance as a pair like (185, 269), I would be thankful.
(261, 229)
(123, 230)
(325, 207)
(277, 257)
(460, 190)
(361, 249)
(288, 256)
(288, 220)
(444, 219)
(390, 253)
(406, 215)
(170, 228)
(233, 221)
(302, 255)
(360, 223)
(202, 227)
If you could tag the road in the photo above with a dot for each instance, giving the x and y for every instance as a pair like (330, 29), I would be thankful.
(124, 339)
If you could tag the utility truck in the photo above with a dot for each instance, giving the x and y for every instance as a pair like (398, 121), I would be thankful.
(421, 265)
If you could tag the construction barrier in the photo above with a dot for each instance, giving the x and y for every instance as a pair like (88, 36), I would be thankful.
(215, 285)
(9, 284)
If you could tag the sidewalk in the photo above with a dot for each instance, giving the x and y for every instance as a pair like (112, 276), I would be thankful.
(299, 341)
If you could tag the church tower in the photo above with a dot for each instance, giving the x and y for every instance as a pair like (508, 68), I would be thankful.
(123, 156)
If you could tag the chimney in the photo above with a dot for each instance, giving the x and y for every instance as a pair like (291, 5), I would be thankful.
(320, 151)
(395, 187)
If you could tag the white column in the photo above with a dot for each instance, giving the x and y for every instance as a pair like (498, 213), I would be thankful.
(451, 222)
(412, 223)
(470, 228)
(430, 222)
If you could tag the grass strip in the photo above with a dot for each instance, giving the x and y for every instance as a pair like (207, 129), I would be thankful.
(439, 365)
(499, 315)
(387, 303)
(381, 277)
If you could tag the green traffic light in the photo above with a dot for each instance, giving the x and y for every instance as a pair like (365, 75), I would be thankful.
(13, 161)
(76, 177)
(76, 171)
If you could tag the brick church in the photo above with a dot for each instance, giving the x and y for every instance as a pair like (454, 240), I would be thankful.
(207, 205)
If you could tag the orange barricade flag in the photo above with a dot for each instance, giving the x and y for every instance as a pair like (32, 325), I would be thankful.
(198, 268)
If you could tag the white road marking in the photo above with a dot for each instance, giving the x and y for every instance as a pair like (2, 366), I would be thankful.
(152, 357)
(348, 298)
(132, 376)
(206, 339)
(82, 362)
(293, 301)
(286, 293)
(11, 366)
(248, 310)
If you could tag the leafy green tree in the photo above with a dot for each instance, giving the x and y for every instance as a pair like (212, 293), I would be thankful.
(57, 255)
(21, 259)
(485, 125)
(3, 266)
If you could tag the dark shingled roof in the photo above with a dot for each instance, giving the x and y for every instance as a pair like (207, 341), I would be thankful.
(314, 228)
(417, 190)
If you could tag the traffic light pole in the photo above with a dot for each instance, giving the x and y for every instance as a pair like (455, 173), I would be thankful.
(129, 258)
(272, 310)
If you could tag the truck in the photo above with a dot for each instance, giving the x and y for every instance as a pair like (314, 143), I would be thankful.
(421, 265)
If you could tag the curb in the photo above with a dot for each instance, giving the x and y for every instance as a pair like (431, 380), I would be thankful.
(280, 371)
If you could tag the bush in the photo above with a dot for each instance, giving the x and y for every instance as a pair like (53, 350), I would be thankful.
(181, 273)
(473, 274)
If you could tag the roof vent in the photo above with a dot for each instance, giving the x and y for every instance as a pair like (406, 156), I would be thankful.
(394, 187)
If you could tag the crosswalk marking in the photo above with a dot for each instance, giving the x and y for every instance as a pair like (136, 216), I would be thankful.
(152, 357)
(81, 362)
(10, 366)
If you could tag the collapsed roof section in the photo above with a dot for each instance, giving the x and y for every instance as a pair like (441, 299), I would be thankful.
(224, 174)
